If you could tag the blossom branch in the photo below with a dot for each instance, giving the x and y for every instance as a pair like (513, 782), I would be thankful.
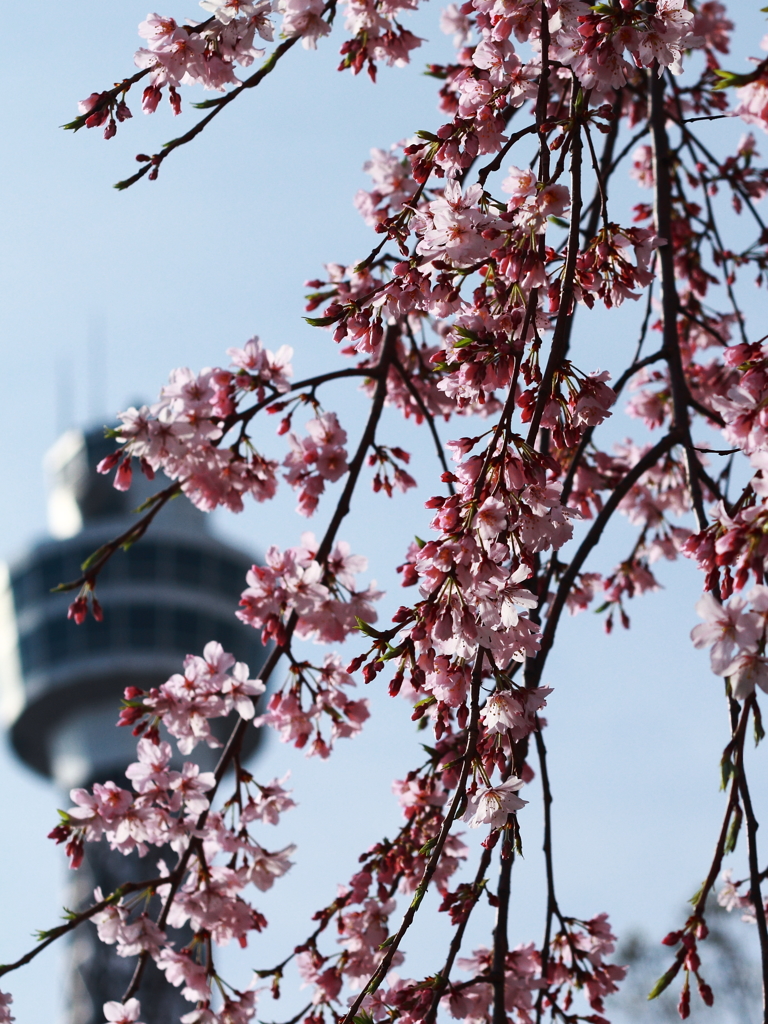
(430, 419)
(234, 742)
(562, 325)
(53, 934)
(218, 104)
(444, 975)
(99, 558)
(437, 850)
(500, 932)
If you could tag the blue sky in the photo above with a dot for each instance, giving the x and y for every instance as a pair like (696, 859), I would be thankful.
(104, 292)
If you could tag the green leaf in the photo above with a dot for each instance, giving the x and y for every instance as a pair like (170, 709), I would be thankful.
(387, 942)
(427, 136)
(77, 124)
(363, 1018)
(663, 982)
(367, 628)
(726, 771)
(152, 500)
(758, 724)
(323, 321)
(733, 831)
(730, 78)
(91, 560)
(697, 895)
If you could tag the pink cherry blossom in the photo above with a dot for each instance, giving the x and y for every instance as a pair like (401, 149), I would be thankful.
(492, 805)
(122, 1013)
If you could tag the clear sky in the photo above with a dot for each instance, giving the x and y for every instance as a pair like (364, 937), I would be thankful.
(103, 293)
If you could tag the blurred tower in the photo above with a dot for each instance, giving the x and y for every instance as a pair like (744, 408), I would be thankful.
(61, 684)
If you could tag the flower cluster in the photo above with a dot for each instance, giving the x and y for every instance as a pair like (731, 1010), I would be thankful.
(169, 808)
(181, 434)
(323, 599)
(315, 459)
(736, 637)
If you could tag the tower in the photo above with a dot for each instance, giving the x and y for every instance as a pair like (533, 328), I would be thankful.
(61, 684)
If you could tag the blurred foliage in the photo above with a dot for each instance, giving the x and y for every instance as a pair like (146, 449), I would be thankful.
(729, 965)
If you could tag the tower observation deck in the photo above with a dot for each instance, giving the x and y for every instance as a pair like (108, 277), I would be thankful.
(61, 684)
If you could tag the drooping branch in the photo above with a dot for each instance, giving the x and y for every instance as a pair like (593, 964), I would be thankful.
(220, 103)
(444, 976)
(52, 934)
(754, 867)
(669, 300)
(562, 328)
(234, 742)
(469, 752)
(500, 932)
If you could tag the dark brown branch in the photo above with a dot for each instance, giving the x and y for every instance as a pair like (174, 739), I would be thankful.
(601, 192)
(552, 907)
(444, 976)
(705, 327)
(129, 536)
(669, 300)
(161, 498)
(497, 161)
(500, 933)
(247, 415)
(430, 419)
(561, 332)
(700, 900)
(603, 173)
(754, 869)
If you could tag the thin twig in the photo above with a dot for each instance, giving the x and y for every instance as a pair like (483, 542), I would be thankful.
(430, 419)
(497, 161)
(562, 328)
(78, 919)
(754, 869)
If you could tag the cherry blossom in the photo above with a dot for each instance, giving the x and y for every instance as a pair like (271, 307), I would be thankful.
(491, 806)
(122, 1013)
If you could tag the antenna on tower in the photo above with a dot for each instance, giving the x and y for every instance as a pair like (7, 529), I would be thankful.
(64, 404)
(96, 366)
